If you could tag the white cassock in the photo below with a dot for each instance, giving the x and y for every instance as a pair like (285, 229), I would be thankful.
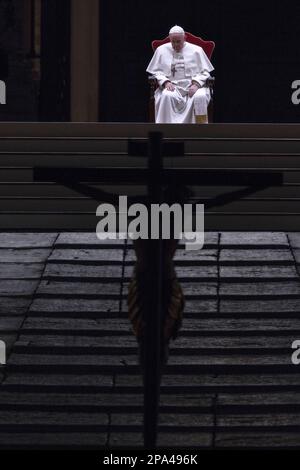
(181, 68)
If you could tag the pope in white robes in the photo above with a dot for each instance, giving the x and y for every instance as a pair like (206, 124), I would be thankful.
(181, 70)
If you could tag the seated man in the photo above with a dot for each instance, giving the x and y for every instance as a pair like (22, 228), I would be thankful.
(181, 69)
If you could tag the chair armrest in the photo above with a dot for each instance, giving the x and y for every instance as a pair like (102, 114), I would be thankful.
(210, 82)
(152, 79)
(153, 83)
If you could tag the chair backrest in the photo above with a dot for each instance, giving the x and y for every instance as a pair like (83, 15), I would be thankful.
(207, 46)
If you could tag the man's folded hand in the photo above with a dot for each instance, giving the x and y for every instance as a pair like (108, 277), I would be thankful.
(192, 89)
(169, 86)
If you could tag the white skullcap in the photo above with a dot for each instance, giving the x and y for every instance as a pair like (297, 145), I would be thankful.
(176, 30)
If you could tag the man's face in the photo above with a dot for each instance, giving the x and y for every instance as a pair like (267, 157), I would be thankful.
(177, 41)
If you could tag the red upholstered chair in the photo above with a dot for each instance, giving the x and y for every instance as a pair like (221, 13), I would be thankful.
(207, 46)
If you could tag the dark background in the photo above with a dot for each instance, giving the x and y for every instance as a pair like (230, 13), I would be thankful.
(256, 59)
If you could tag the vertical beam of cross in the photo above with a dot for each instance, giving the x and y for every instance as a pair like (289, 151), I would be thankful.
(153, 348)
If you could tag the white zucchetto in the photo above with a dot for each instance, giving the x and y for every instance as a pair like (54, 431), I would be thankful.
(176, 30)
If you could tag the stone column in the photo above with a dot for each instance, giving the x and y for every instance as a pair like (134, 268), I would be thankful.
(84, 60)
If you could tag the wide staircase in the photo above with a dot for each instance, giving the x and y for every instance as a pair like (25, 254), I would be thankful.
(72, 377)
